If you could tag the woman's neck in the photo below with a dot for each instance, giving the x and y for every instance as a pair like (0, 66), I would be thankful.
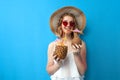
(67, 37)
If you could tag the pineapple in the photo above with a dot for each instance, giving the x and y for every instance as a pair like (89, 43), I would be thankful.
(61, 51)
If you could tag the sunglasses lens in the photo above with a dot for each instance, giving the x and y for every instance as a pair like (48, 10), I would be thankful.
(65, 23)
(72, 24)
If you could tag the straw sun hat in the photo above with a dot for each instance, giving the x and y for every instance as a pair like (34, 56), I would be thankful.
(79, 15)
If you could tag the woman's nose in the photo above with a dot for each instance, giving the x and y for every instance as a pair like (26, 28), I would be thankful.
(68, 25)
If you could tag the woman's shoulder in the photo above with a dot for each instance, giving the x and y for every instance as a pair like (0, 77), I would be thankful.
(83, 43)
(83, 47)
(53, 43)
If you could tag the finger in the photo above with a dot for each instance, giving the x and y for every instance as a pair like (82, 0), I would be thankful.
(74, 46)
(77, 46)
(55, 56)
(80, 45)
(58, 59)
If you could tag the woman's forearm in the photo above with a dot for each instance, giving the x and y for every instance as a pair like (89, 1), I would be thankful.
(51, 69)
(81, 65)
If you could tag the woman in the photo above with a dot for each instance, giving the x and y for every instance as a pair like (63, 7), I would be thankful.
(63, 23)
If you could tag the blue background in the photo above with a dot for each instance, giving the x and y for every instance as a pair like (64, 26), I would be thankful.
(25, 35)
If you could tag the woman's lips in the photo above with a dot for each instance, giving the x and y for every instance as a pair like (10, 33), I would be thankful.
(67, 28)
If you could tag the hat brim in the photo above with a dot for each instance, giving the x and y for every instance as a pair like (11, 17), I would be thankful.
(79, 15)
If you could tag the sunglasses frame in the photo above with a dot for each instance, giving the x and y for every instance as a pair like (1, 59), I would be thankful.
(71, 23)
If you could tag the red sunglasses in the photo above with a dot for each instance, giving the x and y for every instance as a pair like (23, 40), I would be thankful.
(71, 23)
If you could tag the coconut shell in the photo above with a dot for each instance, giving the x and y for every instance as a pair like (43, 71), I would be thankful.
(76, 39)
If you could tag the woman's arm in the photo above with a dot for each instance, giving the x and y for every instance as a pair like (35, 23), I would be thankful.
(51, 66)
(80, 59)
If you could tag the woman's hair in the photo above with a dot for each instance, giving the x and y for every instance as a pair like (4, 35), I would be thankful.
(59, 28)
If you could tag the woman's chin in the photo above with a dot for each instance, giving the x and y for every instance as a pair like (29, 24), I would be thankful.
(68, 32)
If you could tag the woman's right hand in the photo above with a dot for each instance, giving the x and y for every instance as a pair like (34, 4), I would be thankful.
(58, 60)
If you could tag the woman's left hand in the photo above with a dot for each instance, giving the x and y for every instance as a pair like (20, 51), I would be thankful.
(76, 48)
